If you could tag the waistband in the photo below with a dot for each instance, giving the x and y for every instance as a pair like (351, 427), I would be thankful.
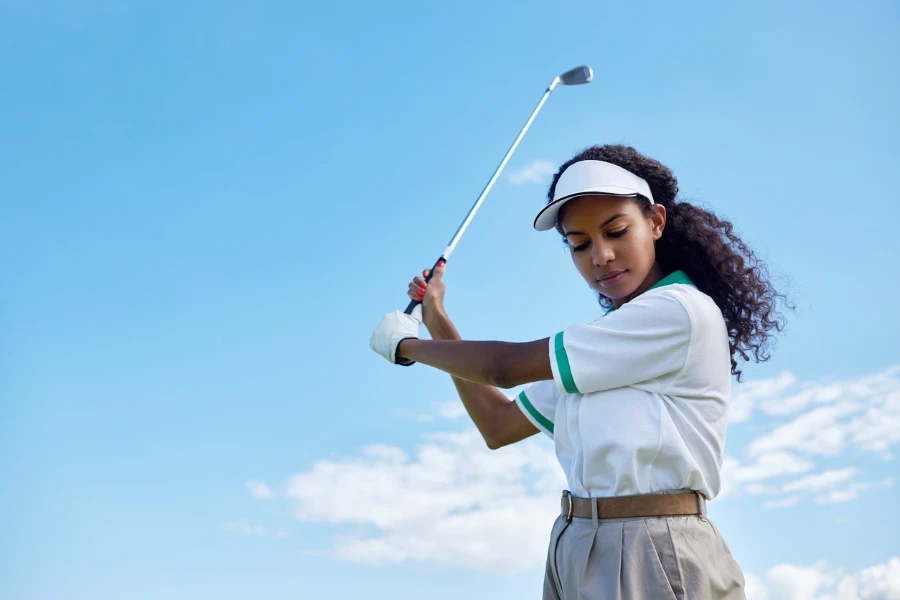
(642, 505)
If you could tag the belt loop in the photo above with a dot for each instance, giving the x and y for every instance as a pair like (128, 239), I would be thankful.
(701, 504)
(594, 519)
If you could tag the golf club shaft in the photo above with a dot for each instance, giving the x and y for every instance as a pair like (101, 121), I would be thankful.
(465, 224)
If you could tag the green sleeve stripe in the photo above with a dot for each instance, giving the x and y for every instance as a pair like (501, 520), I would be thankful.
(544, 421)
(562, 362)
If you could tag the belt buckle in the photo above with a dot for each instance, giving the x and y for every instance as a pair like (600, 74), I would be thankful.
(571, 508)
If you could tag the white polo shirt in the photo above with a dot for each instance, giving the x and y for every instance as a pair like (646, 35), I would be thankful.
(639, 398)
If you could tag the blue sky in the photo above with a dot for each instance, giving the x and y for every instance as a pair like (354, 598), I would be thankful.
(206, 209)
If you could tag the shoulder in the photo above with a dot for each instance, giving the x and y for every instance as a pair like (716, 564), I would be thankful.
(708, 331)
(701, 308)
(662, 305)
(680, 307)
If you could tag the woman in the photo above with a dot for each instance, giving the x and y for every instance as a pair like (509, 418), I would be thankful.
(636, 401)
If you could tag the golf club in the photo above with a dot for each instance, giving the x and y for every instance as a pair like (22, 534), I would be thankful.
(576, 76)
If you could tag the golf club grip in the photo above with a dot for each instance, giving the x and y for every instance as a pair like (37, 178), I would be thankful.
(414, 303)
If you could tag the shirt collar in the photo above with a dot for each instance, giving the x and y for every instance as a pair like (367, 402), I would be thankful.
(670, 279)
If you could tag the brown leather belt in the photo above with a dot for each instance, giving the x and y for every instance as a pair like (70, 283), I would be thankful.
(644, 505)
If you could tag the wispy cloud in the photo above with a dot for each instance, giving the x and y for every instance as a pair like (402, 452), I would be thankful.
(452, 410)
(824, 420)
(766, 466)
(746, 396)
(450, 501)
(784, 395)
(821, 481)
(852, 492)
(822, 581)
(782, 502)
(242, 525)
(536, 171)
(453, 502)
(259, 489)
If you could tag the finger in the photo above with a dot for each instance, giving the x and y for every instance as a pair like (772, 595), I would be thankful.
(439, 271)
(419, 288)
(416, 293)
(418, 281)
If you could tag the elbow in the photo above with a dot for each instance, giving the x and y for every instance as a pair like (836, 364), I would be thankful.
(493, 443)
(499, 380)
(499, 373)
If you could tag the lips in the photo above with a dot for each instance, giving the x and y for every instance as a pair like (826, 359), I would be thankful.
(611, 278)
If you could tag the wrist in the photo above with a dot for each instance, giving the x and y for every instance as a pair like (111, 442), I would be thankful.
(435, 317)
(440, 326)
(403, 346)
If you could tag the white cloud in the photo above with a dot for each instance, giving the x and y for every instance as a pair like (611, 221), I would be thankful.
(821, 481)
(758, 489)
(452, 410)
(745, 396)
(783, 502)
(852, 492)
(259, 489)
(872, 423)
(455, 502)
(767, 466)
(864, 412)
(774, 396)
(879, 427)
(821, 581)
(243, 526)
(815, 432)
(779, 463)
(867, 386)
(534, 172)
(754, 587)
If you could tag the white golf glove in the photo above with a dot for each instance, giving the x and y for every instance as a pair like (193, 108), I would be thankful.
(394, 328)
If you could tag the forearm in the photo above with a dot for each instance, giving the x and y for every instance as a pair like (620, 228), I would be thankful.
(498, 364)
(487, 406)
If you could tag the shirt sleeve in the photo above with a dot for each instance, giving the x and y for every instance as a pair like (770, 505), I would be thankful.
(538, 403)
(647, 338)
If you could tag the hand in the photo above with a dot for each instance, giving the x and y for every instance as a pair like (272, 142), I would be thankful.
(393, 329)
(430, 294)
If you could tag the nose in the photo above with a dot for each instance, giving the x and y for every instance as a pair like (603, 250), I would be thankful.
(601, 253)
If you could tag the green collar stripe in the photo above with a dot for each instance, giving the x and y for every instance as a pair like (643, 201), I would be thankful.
(672, 278)
(544, 421)
(562, 361)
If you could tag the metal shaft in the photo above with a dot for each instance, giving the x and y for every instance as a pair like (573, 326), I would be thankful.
(465, 224)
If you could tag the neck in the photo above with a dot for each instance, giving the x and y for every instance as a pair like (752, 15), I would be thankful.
(655, 274)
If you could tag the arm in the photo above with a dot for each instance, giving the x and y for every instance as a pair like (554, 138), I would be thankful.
(497, 418)
(498, 364)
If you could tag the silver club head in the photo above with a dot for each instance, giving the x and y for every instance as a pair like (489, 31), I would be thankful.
(577, 76)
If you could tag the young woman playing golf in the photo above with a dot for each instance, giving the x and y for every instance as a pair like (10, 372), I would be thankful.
(636, 401)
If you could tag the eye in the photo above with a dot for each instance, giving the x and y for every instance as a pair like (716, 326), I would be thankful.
(619, 233)
(580, 247)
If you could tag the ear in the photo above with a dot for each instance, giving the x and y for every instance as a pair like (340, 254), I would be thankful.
(657, 220)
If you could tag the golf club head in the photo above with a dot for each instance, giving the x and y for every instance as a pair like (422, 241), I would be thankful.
(577, 76)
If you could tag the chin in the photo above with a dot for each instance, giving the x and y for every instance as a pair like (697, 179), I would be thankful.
(621, 290)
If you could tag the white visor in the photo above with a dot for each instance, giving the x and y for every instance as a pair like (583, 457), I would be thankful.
(590, 178)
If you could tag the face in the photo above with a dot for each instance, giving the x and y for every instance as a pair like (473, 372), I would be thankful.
(611, 241)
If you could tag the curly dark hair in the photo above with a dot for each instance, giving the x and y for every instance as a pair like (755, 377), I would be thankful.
(706, 248)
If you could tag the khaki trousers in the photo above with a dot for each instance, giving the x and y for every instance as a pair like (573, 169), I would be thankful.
(655, 558)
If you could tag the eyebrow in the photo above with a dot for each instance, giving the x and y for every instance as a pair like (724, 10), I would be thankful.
(602, 225)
